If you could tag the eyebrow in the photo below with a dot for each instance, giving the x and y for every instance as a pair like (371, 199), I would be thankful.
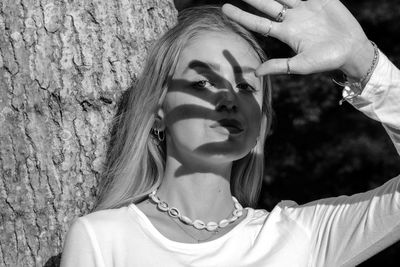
(215, 67)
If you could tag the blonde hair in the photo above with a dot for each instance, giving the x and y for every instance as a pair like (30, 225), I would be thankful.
(135, 163)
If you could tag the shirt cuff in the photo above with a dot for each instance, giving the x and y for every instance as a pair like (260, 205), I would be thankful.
(376, 83)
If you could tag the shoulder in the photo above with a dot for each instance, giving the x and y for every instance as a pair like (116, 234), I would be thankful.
(91, 237)
(282, 209)
(118, 217)
(110, 222)
(256, 217)
(282, 216)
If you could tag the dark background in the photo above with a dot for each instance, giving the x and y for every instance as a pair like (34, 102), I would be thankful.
(317, 148)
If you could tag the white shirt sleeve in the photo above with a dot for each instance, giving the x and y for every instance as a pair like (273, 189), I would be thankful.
(81, 247)
(380, 99)
(347, 230)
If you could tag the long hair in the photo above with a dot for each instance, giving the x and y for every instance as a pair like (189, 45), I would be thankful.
(135, 163)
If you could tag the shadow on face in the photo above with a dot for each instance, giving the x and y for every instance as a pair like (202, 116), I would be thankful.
(213, 105)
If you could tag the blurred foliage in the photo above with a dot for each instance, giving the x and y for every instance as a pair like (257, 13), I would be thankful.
(317, 148)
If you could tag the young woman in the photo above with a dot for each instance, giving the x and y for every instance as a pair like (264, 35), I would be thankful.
(187, 154)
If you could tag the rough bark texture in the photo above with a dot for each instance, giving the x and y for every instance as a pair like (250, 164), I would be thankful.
(63, 65)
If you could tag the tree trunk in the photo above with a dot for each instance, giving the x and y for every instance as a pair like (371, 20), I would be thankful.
(63, 65)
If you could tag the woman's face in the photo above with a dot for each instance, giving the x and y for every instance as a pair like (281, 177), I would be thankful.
(212, 109)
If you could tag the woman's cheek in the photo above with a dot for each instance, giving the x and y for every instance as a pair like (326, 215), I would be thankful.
(186, 132)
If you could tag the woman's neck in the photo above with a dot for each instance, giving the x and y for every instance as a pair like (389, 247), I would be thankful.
(196, 193)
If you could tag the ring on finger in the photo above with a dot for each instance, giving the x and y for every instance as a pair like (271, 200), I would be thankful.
(288, 67)
(281, 15)
(269, 29)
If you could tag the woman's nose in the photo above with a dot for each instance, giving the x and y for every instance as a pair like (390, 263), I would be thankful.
(226, 101)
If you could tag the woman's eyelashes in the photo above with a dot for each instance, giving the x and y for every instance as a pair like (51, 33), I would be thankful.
(246, 87)
(206, 84)
(202, 84)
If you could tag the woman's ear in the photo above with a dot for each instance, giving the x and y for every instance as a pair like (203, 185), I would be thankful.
(159, 120)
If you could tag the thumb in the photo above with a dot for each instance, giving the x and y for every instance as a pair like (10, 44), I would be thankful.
(272, 66)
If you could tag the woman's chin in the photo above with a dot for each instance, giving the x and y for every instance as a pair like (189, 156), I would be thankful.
(222, 151)
(216, 149)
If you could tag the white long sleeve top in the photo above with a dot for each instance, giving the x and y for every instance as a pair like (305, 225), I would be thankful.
(338, 231)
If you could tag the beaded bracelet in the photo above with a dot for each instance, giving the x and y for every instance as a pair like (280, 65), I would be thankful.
(354, 89)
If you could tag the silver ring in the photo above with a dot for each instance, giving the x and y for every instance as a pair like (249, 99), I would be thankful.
(288, 66)
(269, 29)
(281, 15)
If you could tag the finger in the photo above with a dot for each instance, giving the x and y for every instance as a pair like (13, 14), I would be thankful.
(289, 3)
(272, 66)
(250, 21)
(269, 7)
(294, 65)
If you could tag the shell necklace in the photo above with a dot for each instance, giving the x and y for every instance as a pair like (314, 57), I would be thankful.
(198, 224)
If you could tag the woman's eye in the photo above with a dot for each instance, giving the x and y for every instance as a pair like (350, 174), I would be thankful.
(246, 87)
(202, 84)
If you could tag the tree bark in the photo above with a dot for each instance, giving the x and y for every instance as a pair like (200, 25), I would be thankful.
(63, 66)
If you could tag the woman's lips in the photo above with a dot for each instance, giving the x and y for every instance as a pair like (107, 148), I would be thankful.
(233, 130)
(232, 125)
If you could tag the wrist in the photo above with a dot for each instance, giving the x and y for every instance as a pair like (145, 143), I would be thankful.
(360, 61)
(359, 77)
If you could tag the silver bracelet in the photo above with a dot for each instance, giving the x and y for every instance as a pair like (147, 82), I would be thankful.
(354, 89)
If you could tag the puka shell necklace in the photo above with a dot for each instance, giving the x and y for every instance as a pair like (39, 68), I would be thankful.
(198, 224)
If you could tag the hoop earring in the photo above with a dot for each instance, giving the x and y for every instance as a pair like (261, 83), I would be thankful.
(160, 135)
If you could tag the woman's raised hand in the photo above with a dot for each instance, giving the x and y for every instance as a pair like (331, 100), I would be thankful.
(323, 33)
